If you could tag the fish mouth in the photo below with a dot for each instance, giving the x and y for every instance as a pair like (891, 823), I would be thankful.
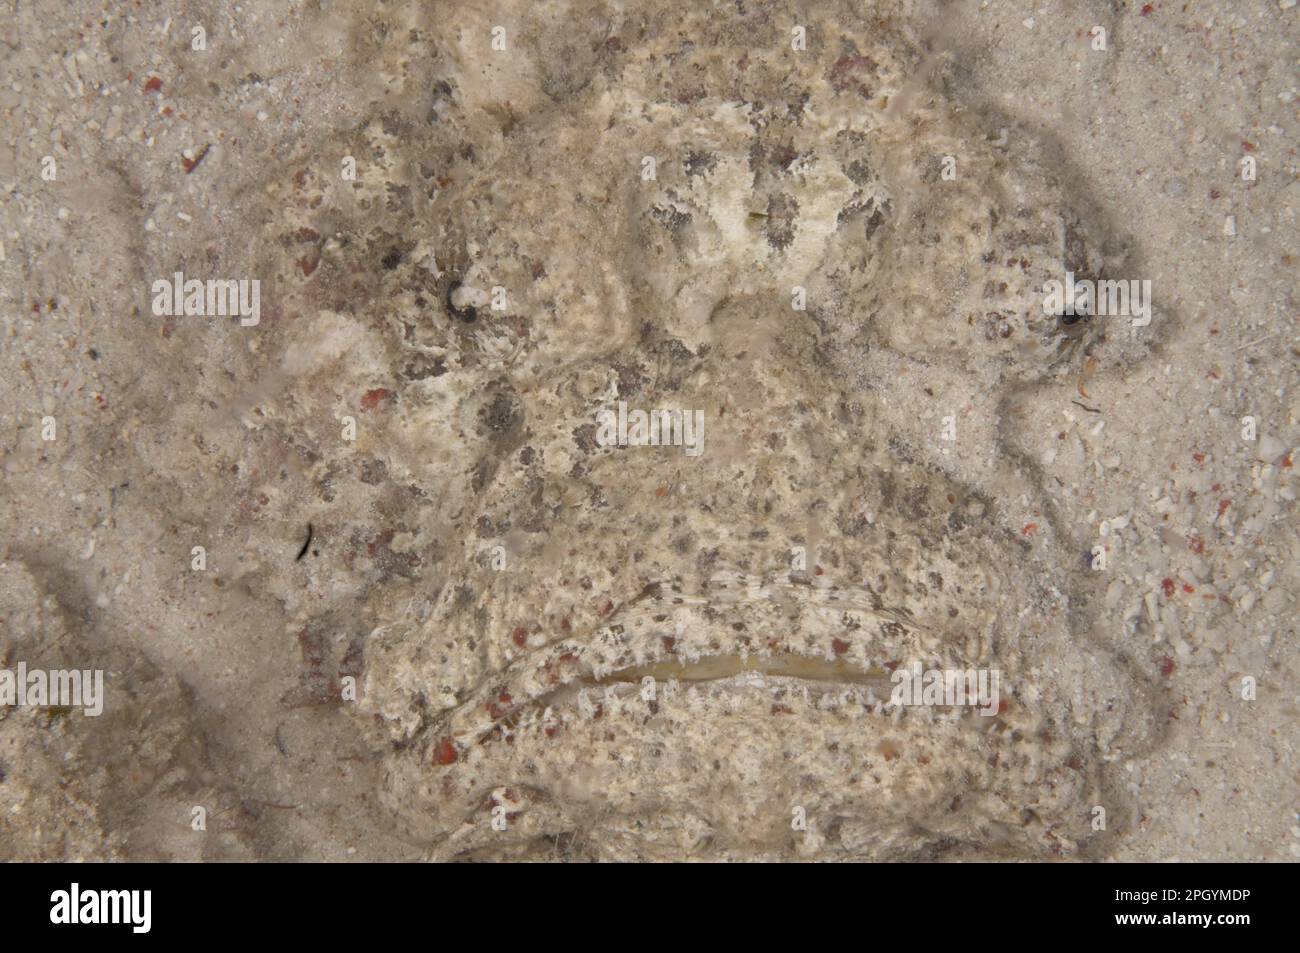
(744, 667)
(628, 723)
(740, 632)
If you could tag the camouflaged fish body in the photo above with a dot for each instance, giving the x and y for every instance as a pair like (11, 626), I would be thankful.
(532, 579)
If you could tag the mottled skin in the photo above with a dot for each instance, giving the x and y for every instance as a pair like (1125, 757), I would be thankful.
(773, 169)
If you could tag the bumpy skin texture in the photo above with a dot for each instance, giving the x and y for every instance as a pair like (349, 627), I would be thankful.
(519, 687)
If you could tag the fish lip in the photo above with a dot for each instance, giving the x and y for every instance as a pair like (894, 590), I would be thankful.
(540, 674)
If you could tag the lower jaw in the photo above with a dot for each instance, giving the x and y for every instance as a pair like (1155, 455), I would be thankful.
(714, 767)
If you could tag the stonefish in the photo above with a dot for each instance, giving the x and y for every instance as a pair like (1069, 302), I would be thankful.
(771, 214)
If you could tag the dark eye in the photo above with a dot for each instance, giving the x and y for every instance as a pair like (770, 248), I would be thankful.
(467, 314)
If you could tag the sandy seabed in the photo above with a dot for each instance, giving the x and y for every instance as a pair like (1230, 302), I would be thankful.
(333, 334)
